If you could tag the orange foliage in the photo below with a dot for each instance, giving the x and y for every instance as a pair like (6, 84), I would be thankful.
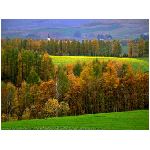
(47, 90)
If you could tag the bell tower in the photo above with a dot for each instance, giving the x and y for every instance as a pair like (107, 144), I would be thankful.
(48, 38)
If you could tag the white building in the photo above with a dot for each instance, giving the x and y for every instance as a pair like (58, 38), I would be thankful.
(48, 38)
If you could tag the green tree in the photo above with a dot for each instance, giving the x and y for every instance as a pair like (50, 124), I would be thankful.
(20, 65)
(78, 48)
(97, 68)
(116, 48)
(33, 77)
(141, 47)
(108, 48)
(77, 69)
(62, 83)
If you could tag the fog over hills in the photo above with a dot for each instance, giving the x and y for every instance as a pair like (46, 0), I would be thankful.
(73, 28)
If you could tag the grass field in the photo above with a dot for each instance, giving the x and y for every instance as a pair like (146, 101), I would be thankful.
(137, 63)
(130, 120)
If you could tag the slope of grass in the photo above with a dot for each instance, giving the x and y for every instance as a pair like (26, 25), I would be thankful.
(130, 120)
(137, 63)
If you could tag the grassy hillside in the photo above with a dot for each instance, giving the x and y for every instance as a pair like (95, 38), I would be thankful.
(137, 63)
(131, 120)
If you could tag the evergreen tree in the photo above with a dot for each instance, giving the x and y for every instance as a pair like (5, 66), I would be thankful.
(33, 77)
(77, 69)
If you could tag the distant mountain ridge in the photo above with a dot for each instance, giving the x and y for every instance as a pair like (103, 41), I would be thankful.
(73, 28)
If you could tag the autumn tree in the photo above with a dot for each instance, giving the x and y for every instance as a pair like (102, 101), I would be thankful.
(141, 47)
(116, 48)
(111, 82)
(47, 68)
(63, 109)
(8, 93)
(95, 47)
(78, 47)
(51, 108)
(146, 48)
(135, 49)
(26, 114)
(130, 48)
(34, 94)
(47, 90)
(62, 83)
(74, 95)
(19, 75)
(107, 48)
(22, 99)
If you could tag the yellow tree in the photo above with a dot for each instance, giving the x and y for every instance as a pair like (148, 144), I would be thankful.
(47, 90)
(8, 94)
(110, 84)
(47, 68)
(51, 108)
(74, 95)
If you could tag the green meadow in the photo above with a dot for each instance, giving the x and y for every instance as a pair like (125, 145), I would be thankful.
(130, 120)
(137, 63)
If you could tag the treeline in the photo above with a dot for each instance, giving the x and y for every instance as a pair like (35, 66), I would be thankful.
(138, 48)
(43, 90)
(77, 48)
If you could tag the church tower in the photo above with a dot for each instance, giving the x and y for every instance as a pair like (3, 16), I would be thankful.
(48, 38)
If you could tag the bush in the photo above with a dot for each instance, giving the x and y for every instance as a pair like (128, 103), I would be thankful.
(26, 114)
(33, 112)
(64, 109)
(14, 117)
(51, 108)
(4, 117)
(77, 69)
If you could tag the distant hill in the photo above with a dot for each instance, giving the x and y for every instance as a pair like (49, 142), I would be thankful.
(74, 28)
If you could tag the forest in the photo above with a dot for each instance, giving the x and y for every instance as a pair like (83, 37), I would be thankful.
(135, 48)
(34, 87)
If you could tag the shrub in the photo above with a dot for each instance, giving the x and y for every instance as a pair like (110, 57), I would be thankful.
(14, 117)
(33, 112)
(77, 69)
(4, 118)
(64, 109)
(51, 108)
(26, 114)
